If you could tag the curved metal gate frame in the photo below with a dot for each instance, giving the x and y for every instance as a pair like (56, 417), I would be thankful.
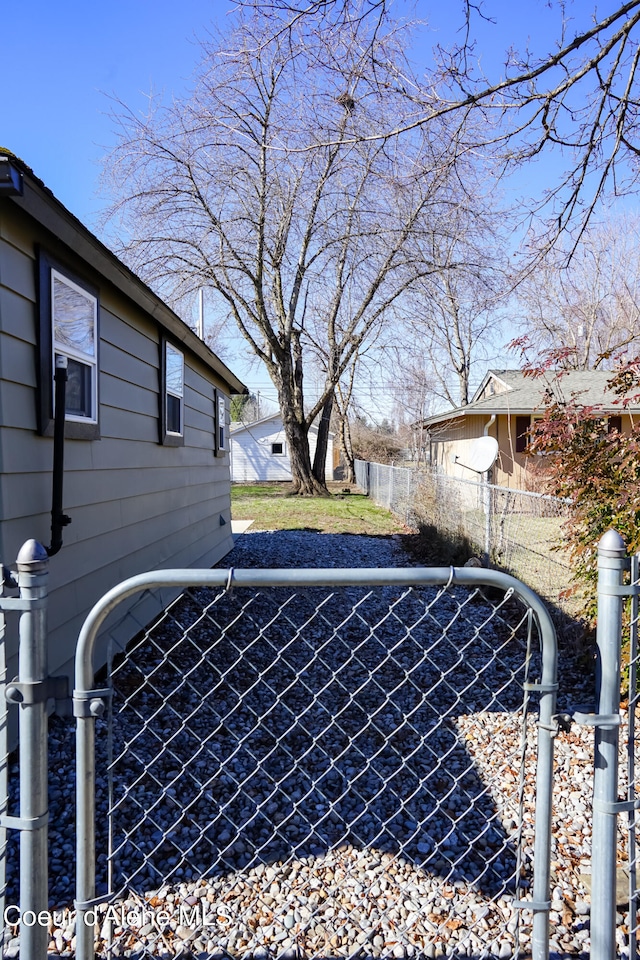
(89, 703)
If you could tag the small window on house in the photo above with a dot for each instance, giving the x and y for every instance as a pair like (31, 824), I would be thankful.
(68, 327)
(175, 389)
(173, 395)
(614, 423)
(277, 449)
(220, 411)
(74, 322)
(522, 433)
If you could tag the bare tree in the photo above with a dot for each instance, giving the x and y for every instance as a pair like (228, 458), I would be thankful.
(377, 443)
(577, 97)
(413, 396)
(453, 324)
(590, 304)
(268, 185)
(452, 331)
(455, 318)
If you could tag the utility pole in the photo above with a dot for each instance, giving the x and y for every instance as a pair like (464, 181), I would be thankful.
(201, 313)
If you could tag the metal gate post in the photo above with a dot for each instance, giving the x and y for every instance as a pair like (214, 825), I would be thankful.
(85, 832)
(544, 790)
(33, 570)
(611, 563)
(4, 762)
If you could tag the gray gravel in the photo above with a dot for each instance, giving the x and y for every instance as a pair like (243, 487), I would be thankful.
(329, 818)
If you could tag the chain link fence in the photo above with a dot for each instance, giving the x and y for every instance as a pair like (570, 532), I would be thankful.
(516, 530)
(391, 487)
(322, 764)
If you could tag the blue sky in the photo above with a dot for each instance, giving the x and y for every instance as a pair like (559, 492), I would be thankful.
(60, 71)
(62, 67)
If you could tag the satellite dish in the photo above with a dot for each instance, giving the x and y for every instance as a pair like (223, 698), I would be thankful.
(482, 455)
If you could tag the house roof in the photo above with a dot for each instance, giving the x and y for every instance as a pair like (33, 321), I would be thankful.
(511, 392)
(39, 202)
(240, 427)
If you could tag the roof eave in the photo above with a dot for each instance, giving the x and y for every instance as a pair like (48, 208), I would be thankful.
(469, 410)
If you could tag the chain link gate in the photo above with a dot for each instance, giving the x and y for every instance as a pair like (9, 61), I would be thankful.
(319, 763)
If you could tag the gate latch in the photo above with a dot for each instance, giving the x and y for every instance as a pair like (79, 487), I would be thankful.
(560, 723)
(563, 722)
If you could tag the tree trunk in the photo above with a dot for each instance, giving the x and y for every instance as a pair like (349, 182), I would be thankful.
(304, 482)
(347, 450)
(322, 444)
(288, 380)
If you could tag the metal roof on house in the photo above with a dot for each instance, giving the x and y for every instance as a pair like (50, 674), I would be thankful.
(515, 393)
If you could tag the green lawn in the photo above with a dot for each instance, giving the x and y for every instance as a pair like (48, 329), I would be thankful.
(272, 508)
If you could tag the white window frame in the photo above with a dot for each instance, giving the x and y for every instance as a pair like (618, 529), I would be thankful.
(177, 394)
(282, 453)
(220, 424)
(65, 350)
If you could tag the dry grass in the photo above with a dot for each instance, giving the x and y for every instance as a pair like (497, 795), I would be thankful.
(271, 507)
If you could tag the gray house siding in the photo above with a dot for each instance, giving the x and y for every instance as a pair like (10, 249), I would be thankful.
(135, 503)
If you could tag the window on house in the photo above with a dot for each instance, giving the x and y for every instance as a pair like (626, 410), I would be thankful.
(522, 434)
(69, 327)
(614, 423)
(277, 449)
(75, 317)
(173, 394)
(220, 423)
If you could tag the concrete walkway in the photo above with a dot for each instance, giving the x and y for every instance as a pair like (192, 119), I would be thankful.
(240, 526)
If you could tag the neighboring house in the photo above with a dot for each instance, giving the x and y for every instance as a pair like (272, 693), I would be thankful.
(146, 459)
(259, 451)
(504, 407)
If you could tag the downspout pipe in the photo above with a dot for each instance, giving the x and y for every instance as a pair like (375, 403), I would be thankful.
(487, 502)
(489, 424)
(59, 520)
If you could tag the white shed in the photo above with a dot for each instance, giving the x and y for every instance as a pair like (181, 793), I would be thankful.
(259, 451)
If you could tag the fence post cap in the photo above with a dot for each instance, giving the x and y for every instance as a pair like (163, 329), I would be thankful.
(612, 545)
(32, 552)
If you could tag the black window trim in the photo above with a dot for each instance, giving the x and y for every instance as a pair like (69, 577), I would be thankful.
(73, 429)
